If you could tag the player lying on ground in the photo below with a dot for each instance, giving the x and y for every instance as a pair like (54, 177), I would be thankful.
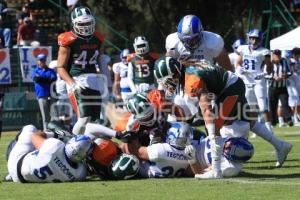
(34, 158)
(236, 151)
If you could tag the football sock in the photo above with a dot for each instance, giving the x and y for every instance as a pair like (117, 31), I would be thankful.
(262, 131)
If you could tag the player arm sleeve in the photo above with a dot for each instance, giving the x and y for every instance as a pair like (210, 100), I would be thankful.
(93, 131)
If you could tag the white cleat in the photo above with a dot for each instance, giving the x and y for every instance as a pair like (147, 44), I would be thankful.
(253, 135)
(209, 175)
(282, 153)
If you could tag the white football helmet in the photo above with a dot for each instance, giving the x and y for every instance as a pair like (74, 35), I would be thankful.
(141, 45)
(83, 21)
(78, 147)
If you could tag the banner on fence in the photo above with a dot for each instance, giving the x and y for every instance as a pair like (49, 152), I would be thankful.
(28, 59)
(5, 70)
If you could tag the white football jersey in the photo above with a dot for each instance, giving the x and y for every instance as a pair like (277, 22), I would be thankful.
(49, 164)
(164, 161)
(211, 46)
(253, 59)
(122, 69)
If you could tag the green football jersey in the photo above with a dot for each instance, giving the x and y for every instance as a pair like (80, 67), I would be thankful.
(84, 54)
(143, 69)
(214, 77)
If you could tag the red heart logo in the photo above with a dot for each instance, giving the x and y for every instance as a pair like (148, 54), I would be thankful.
(38, 51)
(2, 56)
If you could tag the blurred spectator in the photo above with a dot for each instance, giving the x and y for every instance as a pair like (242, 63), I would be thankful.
(5, 35)
(43, 77)
(278, 87)
(26, 34)
(24, 13)
(3, 8)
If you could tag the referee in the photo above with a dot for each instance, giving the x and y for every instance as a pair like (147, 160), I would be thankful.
(278, 86)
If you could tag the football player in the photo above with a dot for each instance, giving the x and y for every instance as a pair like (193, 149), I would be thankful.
(122, 88)
(141, 66)
(191, 43)
(78, 56)
(37, 159)
(166, 159)
(206, 82)
(249, 67)
(236, 151)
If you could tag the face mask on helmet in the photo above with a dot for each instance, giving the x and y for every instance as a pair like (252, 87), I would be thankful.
(179, 135)
(78, 147)
(124, 167)
(83, 21)
(167, 71)
(139, 105)
(255, 38)
(189, 31)
(141, 45)
(238, 149)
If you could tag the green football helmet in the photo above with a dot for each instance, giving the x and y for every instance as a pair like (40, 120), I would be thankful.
(125, 166)
(167, 71)
(83, 21)
(139, 105)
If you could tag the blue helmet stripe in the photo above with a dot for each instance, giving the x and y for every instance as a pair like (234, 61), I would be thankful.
(195, 25)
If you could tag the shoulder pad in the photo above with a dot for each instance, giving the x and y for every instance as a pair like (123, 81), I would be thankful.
(66, 38)
(214, 42)
(99, 35)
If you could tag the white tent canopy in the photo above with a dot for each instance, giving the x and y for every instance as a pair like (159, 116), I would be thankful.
(286, 41)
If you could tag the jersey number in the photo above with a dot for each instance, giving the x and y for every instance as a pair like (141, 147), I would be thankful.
(168, 171)
(143, 70)
(43, 172)
(82, 59)
(249, 64)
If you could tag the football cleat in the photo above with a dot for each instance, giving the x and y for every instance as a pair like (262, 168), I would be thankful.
(282, 153)
(209, 175)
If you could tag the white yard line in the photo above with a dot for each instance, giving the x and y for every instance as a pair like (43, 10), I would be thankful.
(263, 182)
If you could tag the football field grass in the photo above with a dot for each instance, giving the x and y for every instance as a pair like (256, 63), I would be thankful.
(259, 180)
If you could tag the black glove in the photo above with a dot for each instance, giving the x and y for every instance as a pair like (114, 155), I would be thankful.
(125, 136)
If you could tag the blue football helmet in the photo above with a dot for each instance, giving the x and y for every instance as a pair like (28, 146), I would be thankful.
(179, 135)
(78, 147)
(255, 33)
(189, 31)
(238, 43)
(123, 55)
(238, 149)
